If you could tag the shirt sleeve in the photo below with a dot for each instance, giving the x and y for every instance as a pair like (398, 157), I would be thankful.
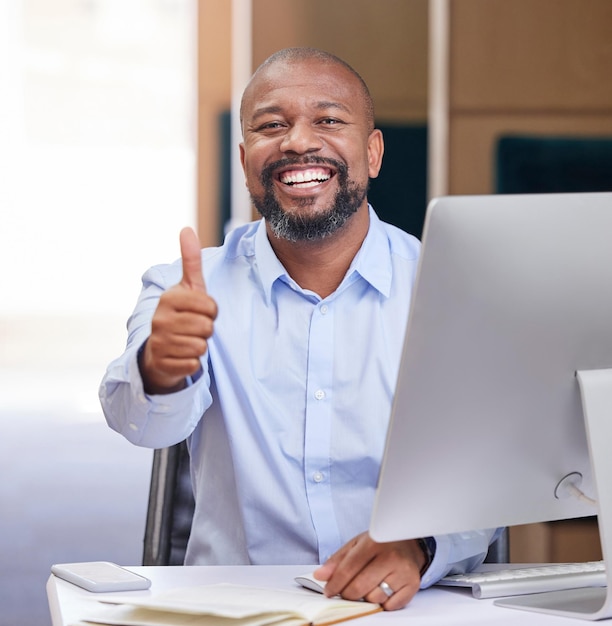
(153, 421)
(458, 553)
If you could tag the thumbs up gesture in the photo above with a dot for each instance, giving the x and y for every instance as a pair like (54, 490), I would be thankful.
(181, 325)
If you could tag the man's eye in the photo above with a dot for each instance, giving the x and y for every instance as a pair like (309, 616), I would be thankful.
(330, 121)
(271, 126)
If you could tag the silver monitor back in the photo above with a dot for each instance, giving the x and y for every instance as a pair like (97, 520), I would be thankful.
(513, 296)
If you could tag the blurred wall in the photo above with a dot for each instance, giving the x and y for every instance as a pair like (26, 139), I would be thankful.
(526, 66)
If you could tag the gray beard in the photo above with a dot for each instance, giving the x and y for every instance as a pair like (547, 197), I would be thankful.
(300, 227)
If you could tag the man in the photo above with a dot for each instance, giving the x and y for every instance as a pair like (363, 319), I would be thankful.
(285, 394)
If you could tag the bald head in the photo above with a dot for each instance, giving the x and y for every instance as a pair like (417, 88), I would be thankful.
(289, 56)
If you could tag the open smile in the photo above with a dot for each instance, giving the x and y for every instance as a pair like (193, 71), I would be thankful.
(305, 178)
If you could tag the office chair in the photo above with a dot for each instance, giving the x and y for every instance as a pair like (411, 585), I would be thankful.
(499, 550)
(171, 507)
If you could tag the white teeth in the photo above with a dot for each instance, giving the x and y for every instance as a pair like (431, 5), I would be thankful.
(311, 177)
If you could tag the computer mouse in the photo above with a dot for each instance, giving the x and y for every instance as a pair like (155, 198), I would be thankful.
(310, 582)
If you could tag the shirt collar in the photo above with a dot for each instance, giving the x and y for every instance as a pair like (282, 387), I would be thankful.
(372, 262)
(270, 268)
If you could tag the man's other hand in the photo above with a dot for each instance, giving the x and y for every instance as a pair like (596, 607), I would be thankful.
(357, 570)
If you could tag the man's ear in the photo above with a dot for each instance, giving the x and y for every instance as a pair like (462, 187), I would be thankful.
(243, 163)
(376, 149)
(242, 156)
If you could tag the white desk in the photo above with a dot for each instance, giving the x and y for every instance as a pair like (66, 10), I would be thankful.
(432, 607)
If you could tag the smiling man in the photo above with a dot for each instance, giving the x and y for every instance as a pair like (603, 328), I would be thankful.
(276, 354)
(309, 149)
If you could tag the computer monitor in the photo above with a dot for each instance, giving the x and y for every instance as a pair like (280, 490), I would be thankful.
(508, 349)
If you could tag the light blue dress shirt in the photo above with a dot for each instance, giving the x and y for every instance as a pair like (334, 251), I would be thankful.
(286, 426)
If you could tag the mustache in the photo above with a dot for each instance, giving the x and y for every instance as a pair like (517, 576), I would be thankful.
(268, 170)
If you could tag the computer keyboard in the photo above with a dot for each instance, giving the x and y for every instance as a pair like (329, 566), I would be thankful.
(533, 579)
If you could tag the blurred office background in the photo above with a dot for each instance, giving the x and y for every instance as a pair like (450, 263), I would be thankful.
(97, 171)
(114, 134)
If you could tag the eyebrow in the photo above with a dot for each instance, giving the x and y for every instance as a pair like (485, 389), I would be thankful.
(323, 105)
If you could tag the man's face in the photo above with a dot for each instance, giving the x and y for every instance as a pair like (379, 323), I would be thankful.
(308, 151)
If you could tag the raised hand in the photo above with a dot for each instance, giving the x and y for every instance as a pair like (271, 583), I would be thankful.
(181, 325)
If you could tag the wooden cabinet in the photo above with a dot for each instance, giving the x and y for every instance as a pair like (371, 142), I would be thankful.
(526, 66)
(556, 542)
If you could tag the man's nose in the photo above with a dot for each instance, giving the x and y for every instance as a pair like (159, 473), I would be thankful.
(301, 139)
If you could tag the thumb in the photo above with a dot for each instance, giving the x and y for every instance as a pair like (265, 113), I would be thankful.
(325, 571)
(192, 260)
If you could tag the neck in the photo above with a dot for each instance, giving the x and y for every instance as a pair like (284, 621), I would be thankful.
(320, 266)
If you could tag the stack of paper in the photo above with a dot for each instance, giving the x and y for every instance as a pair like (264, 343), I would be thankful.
(225, 605)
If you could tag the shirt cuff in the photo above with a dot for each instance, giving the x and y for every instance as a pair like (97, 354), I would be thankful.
(428, 546)
(438, 565)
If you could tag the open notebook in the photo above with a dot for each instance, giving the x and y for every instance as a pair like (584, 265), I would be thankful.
(224, 605)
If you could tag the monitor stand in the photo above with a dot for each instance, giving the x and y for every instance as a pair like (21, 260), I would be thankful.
(592, 603)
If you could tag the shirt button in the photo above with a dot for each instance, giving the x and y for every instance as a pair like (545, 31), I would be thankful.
(319, 394)
(133, 426)
(324, 308)
(317, 477)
